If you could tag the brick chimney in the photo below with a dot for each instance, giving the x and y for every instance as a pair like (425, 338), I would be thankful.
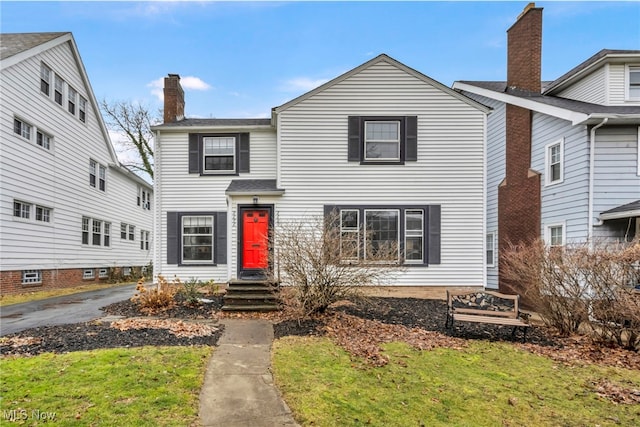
(173, 99)
(524, 50)
(519, 199)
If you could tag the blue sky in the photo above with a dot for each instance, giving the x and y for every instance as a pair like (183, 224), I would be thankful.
(240, 59)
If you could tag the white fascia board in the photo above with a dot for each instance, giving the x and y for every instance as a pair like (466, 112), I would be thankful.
(213, 128)
(561, 113)
(614, 119)
(619, 215)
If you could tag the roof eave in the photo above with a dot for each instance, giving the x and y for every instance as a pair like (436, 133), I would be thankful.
(199, 128)
(619, 215)
(254, 192)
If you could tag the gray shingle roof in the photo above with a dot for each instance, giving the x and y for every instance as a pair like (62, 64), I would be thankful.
(14, 43)
(568, 104)
(217, 122)
(633, 206)
(253, 186)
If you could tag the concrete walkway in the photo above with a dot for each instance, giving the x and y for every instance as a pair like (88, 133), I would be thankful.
(238, 386)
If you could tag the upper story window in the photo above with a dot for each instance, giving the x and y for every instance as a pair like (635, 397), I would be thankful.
(103, 178)
(219, 154)
(43, 140)
(22, 128)
(45, 79)
(82, 109)
(43, 214)
(97, 174)
(72, 99)
(554, 162)
(633, 79)
(59, 88)
(93, 172)
(21, 209)
(144, 198)
(144, 240)
(382, 140)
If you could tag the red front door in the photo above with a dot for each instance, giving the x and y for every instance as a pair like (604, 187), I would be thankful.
(255, 239)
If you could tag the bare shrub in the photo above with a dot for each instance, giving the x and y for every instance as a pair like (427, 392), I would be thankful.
(322, 268)
(157, 298)
(580, 286)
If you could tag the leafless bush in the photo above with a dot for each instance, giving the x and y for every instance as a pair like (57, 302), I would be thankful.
(322, 268)
(580, 286)
(157, 298)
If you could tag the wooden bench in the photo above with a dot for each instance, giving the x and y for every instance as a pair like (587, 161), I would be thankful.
(486, 307)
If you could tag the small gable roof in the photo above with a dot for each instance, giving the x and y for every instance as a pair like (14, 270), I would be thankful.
(623, 211)
(382, 58)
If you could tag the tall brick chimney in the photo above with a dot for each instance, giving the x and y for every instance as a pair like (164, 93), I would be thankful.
(519, 193)
(524, 50)
(173, 99)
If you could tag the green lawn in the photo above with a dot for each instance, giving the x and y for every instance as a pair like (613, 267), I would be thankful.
(149, 386)
(486, 384)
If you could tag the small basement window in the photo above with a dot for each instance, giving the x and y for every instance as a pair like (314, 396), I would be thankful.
(103, 273)
(30, 277)
(88, 273)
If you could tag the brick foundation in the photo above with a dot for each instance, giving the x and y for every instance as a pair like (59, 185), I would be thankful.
(11, 281)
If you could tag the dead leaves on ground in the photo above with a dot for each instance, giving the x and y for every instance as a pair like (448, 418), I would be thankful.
(176, 327)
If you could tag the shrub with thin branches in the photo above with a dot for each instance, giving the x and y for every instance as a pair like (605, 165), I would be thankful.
(322, 268)
(157, 298)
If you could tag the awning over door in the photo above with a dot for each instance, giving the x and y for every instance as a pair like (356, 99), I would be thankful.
(257, 187)
(628, 210)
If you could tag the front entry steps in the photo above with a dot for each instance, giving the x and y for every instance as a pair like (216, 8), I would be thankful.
(251, 295)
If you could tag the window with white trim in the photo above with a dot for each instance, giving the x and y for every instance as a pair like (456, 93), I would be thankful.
(102, 178)
(45, 79)
(96, 231)
(30, 277)
(43, 214)
(93, 172)
(43, 140)
(381, 234)
(22, 128)
(71, 100)
(490, 248)
(144, 240)
(58, 89)
(414, 240)
(85, 230)
(349, 234)
(219, 154)
(106, 234)
(197, 239)
(132, 232)
(555, 235)
(381, 140)
(633, 83)
(144, 198)
(82, 109)
(88, 273)
(554, 162)
(21, 209)
(103, 273)
(123, 230)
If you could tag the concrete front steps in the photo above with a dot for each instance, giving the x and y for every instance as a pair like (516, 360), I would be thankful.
(251, 295)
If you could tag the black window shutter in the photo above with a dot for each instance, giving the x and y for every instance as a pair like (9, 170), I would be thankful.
(194, 153)
(434, 234)
(173, 235)
(355, 141)
(221, 238)
(243, 153)
(411, 139)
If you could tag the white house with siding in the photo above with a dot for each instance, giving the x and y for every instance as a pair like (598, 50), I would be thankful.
(69, 212)
(399, 155)
(583, 139)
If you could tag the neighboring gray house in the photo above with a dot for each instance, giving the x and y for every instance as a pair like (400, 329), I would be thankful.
(400, 155)
(563, 157)
(69, 212)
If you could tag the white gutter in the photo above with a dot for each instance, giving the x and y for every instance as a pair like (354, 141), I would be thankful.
(592, 162)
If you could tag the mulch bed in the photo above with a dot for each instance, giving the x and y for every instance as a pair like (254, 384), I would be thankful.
(360, 327)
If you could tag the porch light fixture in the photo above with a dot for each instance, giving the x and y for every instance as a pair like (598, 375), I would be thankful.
(255, 200)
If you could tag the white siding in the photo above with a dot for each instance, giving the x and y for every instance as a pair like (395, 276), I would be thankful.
(59, 178)
(449, 171)
(566, 201)
(184, 192)
(592, 88)
(616, 170)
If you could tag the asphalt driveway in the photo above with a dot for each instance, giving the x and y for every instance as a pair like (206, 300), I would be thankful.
(81, 307)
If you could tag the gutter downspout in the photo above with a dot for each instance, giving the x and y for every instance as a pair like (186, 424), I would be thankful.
(592, 161)
(157, 200)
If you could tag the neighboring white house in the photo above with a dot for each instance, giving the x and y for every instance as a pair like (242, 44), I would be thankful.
(69, 212)
(400, 155)
(563, 157)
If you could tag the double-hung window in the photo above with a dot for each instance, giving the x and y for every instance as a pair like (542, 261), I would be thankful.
(132, 232)
(554, 162)
(633, 86)
(197, 239)
(96, 237)
(43, 140)
(103, 178)
(219, 154)
(382, 141)
(349, 234)
(93, 172)
(490, 245)
(144, 240)
(82, 109)
(72, 99)
(123, 231)
(45, 79)
(414, 236)
(382, 235)
(555, 235)
(85, 230)
(58, 88)
(22, 128)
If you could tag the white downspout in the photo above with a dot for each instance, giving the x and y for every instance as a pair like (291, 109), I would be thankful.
(157, 200)
(592, 161)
